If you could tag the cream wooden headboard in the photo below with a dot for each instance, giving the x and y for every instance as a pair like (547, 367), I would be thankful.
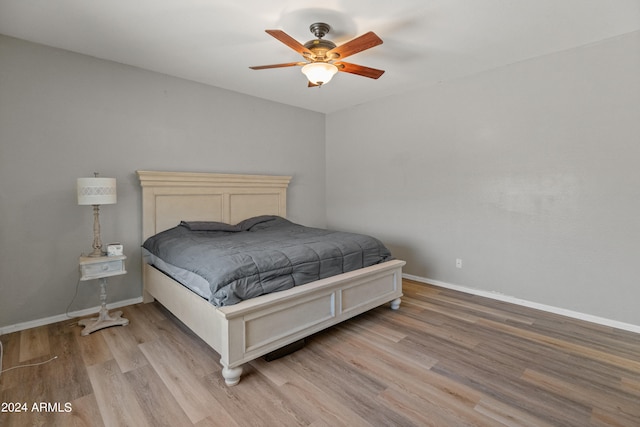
(170, 197)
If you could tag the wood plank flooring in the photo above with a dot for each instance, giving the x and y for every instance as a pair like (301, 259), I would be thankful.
(444, 359)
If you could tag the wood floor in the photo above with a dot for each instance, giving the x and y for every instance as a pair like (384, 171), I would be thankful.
(444, 359)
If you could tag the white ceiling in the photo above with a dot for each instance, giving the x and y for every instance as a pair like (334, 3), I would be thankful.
(215, 41)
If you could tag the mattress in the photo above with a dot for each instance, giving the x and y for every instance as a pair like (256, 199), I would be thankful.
(195, 283)
(227, 263)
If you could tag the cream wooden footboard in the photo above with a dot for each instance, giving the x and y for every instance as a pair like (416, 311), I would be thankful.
(252, 328)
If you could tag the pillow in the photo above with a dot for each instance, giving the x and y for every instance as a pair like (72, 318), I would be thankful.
(209, 226)
(260, 222)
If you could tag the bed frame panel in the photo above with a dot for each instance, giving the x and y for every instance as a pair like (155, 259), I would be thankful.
(252, 328)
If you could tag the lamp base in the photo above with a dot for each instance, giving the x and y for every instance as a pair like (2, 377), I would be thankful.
(97, 241)
(97, 252)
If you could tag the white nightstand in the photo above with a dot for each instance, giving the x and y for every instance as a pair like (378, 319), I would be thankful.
(100, 268)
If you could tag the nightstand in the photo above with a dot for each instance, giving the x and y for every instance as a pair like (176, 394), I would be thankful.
(100, 268)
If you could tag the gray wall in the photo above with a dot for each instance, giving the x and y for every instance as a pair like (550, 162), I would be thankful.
(64, 116)
(529, 173)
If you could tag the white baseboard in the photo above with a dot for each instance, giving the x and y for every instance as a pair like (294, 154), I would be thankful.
(530, 304)
(62, 317)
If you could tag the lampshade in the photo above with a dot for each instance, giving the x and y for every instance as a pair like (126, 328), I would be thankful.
(96, 191)
(319, 72)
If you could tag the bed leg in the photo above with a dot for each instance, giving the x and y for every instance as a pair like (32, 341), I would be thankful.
(395, 304)
(231, 375)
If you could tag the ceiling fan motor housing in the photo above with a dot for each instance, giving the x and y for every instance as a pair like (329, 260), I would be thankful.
(320, 47)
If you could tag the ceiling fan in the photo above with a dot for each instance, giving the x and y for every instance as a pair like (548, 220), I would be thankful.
(323, 57)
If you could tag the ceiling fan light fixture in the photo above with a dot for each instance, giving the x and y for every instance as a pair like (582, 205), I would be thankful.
(319, 73)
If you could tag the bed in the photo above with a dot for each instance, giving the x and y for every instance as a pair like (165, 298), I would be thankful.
(258, 326)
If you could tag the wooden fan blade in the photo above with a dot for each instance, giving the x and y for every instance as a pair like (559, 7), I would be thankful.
(290, 41)
(364, 42)
(360, 70)
(288, 64)
(312, 85)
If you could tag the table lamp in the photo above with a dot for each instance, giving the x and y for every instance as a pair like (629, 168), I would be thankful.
(96, 191)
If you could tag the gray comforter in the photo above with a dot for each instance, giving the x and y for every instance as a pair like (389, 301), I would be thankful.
(262, 255)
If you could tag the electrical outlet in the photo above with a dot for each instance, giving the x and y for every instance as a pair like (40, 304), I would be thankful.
(458, 263)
